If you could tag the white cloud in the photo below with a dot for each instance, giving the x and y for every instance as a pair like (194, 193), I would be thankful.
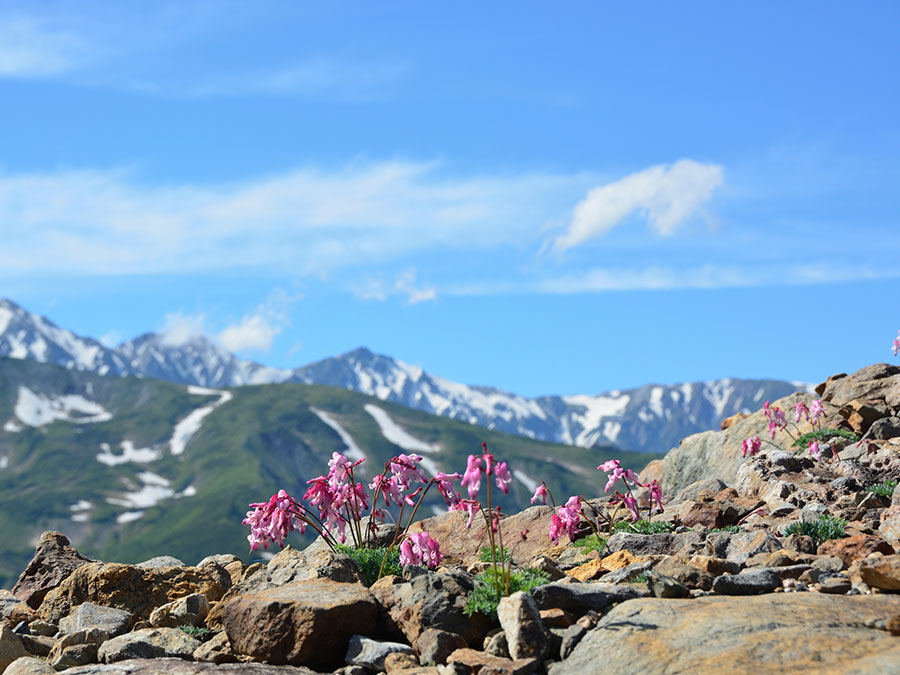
(253, 332)
(666, 195)
(376, 288)
(179, 328)
(30, 48)
(309, 221)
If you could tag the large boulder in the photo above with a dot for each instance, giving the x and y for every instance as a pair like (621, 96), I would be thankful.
(54, 560)
(177, 666)
(88, 616)
(306, 623)
(430, 600)
(878, 382)
(138, 590)
(776, 633)
(147, 644)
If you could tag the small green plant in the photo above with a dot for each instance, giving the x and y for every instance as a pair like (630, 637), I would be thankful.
(643, 526)
(370, 560)
(824, 434)
(727, 528)
(484, 598)
(197, 632)
(885, 489)
(592, 542)
(639, 579)
(500, 555)
(823, 529)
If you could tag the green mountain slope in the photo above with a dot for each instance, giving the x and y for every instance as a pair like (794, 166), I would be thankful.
(258, 439)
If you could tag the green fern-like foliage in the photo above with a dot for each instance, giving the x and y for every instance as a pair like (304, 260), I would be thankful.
(727, 528)
(484, 599)
(592, 542)
(885, 489)
(643, 526)
(639, 579)
(197, 632)
(823, 435)
(823, 529)
(369, 561)
(500, 555)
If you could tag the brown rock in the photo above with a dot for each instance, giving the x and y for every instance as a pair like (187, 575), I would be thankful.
(27, 665)
(434, 646)
(482, 662)
(693, 514)
(13, 610)
(557, 618)
(399, 662)
(589, 571)
(689, 575)
(851, 548)
(877, 572)
(11, 647)
(136, 589)
(215, 650)
(714, 566)
(54, 560)
(729, 422)
(620, 559)
(39, 645)
(462, 546)
(876, 382)
(306, 623)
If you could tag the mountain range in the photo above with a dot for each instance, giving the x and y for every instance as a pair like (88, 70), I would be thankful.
(652, 418)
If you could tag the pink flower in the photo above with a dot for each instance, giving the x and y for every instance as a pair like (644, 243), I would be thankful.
(471, 506)
(556, 528)
(339, 468)
(814, 450)
(540, 492)
(656, 495)
(472, 477)
(444, 482)
(800, 411)
(896, 347)
(629, 502)
(565, 519)
(616, 472)
(816, 410)
(751, 446)
(503, 477)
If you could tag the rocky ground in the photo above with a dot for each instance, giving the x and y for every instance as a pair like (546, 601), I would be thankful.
(722, 589)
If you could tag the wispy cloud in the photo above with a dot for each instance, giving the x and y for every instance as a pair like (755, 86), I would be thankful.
(30, 48)
(309, 221)
(179, 328)
(404, 284)
(666, 195)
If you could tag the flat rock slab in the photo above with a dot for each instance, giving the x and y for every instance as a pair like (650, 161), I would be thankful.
(789, 632)
(180, 667)
(306, 623)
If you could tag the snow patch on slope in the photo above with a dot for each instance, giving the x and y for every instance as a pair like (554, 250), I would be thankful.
(396, 434)
(12, 427)
(36, 410)
(190, 425)
(529, 482)
(4, 462)
(129, 454)
(353, 452)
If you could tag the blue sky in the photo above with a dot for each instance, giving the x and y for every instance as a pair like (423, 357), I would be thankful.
(545, 199)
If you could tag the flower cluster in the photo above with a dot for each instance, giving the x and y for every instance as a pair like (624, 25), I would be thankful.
(751, 447)
(418, 548)
(776, 418)
(812, 413)
(272, 520)
(896, 347)
(565, 519)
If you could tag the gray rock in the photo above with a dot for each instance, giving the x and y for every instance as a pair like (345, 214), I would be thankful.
(88, 616)
(39, 645)
(173, 666)
(662, 586)
(190, 610)
(845, 484)
(836, 585)
(626, 574)
(28, 665)
(220, 559)
(161, 561)
(751, 582)
(812, 512)
(38, 627)
(54, 559)
(773, 633)
(434, 646)
(579, 598)
(363, 651)
(11, 647)
(895, 495)
(885, 429)
(521, 621)
(643, 544)
(496, 645)
(738, 546)
(148, 643)
(73, 655)
(570, 639)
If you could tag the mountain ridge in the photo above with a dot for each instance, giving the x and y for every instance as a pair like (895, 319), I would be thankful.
(651, 418)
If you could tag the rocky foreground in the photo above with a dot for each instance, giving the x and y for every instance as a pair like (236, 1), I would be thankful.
(722, 589)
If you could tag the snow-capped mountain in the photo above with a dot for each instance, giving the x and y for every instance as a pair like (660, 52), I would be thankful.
(28, 336)
(198, 361)
(652, 418)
